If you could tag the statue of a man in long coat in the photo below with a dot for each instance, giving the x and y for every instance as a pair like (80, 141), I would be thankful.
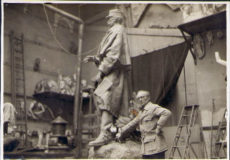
(112, 61)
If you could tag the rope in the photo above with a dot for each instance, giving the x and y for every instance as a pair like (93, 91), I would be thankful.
(57, 41)
(53, 33)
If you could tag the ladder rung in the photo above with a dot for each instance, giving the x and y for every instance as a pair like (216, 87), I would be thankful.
(178, 146)
(19, 86)
(18, 57)
(18, 51)
(20, 95)
(184, 125)
(223, 127)
(20, 123)
(190, 106)
(217, 143)
(177, 136)
(185, 115)
(19, 66)
(19, 70)
(22, 79)
(18, 39)
(175, 157)
(17, 44)
(18, 62)
(223, 123)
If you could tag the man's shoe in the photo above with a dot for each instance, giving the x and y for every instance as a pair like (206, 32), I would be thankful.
(101, 140)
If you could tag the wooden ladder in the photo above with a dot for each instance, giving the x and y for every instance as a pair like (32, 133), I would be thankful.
(18, 90)
(92, 129)
(221, 142)
(187, 120)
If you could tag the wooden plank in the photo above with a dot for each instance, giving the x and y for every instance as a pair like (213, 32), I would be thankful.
(40, 154)
(172, 32)
(20, 95)
(84, 141)
(207, 128)
(169, 32)
(90, 116)
(91, 127)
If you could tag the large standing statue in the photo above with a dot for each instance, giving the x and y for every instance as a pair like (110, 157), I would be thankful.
(113, 61)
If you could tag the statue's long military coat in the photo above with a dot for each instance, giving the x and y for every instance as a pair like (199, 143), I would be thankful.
(112, 92)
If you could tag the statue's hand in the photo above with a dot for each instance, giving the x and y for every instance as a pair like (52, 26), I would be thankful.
(97, 78)
(89, 59)
(158, 131)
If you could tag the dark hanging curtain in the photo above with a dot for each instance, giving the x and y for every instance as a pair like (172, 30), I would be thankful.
(158, 71)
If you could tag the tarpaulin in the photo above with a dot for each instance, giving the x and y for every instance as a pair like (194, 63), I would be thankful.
(159, 70)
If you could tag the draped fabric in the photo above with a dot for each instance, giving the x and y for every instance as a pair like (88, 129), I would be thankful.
(159, 70)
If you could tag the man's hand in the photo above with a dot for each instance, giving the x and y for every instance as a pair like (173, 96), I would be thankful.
(119, 135)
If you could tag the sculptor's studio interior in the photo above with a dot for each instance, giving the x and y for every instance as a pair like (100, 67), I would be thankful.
(114, 80)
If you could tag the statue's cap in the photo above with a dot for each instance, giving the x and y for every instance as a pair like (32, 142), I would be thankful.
(115, 13)
(142, 93)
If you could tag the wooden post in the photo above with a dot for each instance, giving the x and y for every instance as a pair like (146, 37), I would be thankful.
(189, 44)
(77, 108)
(24, 91)
(13, 90)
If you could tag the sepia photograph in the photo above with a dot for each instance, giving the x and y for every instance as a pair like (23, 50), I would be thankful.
(114, 80)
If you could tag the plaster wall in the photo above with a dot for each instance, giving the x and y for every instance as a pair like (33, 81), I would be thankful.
(38, 43)
(211, 88)
(205, 81)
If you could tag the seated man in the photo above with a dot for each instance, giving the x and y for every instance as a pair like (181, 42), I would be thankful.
(151, 118)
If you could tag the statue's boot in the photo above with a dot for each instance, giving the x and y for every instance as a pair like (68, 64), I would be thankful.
(105, 135)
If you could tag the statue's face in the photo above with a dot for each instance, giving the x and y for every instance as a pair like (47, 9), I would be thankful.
(111, 21)
(62, 84)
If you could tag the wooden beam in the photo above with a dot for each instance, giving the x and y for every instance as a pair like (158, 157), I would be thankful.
(171, 32)
(21, 96)
(209, 128)
(154, 32)
(64, 13)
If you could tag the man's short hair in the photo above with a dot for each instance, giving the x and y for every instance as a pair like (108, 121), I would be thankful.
(142, 93)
